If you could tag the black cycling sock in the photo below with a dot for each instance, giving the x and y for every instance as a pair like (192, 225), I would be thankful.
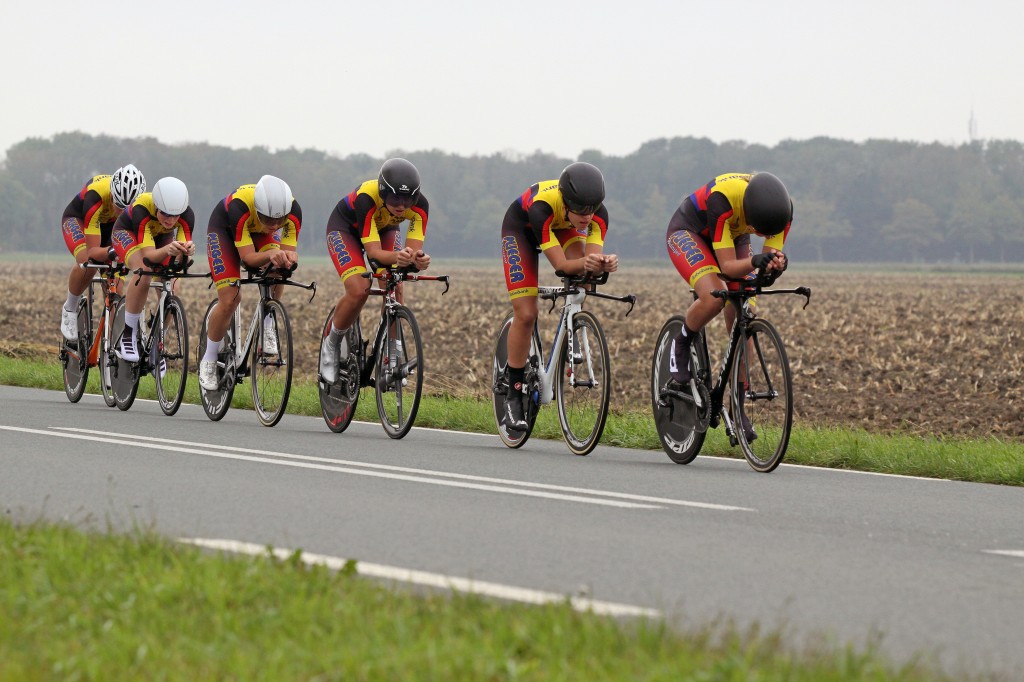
(515, 379)
(681, 352)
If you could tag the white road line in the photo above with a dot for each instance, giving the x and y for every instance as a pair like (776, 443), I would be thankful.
(424, 472)
(341, 469)
(1015, 553)
(436, 580)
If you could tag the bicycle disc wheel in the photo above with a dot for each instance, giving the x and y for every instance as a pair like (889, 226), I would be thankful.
(216, 403)
(681, 426)
(762, 397)
(499, 387)
(272, 372)
(171, 371)
(398, 373)
(106, 358)
(338, 400)
(583, 386)
(124, 375)
(75, 355)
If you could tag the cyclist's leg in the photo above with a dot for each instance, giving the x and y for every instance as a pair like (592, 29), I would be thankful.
(130, 252)
(346, 252)
(520, 261)
(695, 261)
(78, 279)
(225, 268)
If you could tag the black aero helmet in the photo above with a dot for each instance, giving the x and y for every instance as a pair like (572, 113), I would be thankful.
(766, 204)
(399, 177)
(582, 187)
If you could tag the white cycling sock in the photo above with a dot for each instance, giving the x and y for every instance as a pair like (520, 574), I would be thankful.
(337, 334)
(71, 305)
(132, 319)
(212, 349)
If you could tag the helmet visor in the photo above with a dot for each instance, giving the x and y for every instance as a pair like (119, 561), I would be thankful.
(399, 201)
(581, 209)
(271, 222)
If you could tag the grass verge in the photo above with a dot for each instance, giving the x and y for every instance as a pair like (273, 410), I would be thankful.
(981, 461)
(90, 606)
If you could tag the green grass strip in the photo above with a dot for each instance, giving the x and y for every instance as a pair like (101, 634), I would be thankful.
(89, 606)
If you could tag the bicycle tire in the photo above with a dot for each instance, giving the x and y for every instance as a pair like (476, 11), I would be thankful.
(761, 387)
(681, 427)
(272, 372)
(171, 370)
(338, 400)
(75, 356)
(217, 403)
(124, 377)
(499, 385)
(398, 383)
(583, 407)
(105, 357)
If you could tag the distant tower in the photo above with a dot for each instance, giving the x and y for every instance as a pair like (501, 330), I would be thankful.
(972, 128)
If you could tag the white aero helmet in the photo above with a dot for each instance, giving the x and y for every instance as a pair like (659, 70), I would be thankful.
(273, 197)
(126, 184)
(170, 196)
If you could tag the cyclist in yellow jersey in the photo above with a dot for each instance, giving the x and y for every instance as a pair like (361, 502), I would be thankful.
(156, 228)
(709, 235)
(255, 225)
(86, 225)
(367, 220)
(567, 221)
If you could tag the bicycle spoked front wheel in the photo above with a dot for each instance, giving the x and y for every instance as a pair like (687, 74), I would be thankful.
(681, 425)
(124, 375)
(217, 402)
(583, 385)
(272, 366)
(106, 358)
(338, 399)
(398, 373)
(762, 397)
(75, 355)
(171, 370)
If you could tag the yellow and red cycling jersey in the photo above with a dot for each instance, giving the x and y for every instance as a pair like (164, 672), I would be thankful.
(715, 211)
(138, 227)
(364, 209)
(93, 205)
(243, 223)
(543, 209)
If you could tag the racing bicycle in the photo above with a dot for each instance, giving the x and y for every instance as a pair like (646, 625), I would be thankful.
(755, 370)
(271, 368)
(393, 365)
(90, 348)
(577, 373)
(163, 341)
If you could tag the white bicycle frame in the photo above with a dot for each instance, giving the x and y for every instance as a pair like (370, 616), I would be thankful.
(573, 304)
(242, 349)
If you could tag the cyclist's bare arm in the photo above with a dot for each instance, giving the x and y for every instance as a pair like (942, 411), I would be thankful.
(284, 258)
(596, 261)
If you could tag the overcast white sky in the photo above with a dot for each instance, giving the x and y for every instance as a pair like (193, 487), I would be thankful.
(477, 76)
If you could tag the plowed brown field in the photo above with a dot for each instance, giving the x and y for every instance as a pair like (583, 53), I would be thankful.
(925, 354)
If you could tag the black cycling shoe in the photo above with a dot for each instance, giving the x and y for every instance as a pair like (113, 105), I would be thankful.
(748, 428)
(514, 418)
(674, 385)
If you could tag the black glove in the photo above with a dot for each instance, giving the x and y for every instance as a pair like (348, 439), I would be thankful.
(761, 260)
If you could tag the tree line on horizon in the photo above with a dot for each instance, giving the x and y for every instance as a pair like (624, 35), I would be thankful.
(875, 201)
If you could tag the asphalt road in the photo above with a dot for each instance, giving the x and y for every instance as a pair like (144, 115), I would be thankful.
(924, 566)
